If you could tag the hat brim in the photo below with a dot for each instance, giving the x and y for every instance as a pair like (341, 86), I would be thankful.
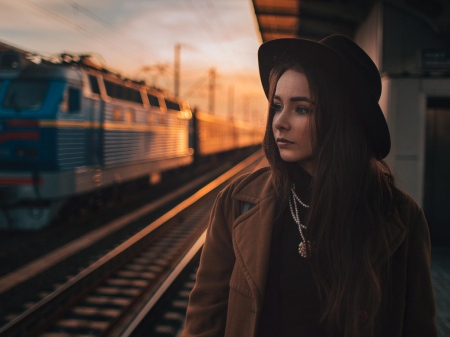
(271, 52)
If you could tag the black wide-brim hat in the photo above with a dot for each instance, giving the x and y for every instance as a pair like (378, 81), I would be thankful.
(344, 61)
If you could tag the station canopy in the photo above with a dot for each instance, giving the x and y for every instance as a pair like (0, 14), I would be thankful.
(316, 19)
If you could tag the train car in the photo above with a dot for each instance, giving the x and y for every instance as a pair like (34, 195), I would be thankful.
(71, 128)
(247, 134)
(214, 134)
(217, 134)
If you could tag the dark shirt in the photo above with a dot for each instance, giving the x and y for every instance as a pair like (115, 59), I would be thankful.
(291, 299)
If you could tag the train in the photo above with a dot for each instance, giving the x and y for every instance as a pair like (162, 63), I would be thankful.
(69, 127)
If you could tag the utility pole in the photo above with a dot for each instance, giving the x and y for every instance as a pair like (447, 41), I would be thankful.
(230, 101)
(177, 70)
(212, 89)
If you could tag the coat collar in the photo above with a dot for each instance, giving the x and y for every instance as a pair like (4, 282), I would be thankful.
(253, 230)
(255, 187)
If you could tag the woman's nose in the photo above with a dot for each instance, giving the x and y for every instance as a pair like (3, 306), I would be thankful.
(281, 121)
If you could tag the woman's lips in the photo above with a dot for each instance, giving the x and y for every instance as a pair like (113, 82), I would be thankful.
(283, 142)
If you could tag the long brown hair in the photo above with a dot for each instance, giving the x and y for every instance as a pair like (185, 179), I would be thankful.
(352, 197)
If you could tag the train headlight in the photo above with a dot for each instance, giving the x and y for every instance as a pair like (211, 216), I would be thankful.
(185, 114)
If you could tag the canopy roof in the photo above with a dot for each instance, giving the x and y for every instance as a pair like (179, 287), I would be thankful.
(315, 19)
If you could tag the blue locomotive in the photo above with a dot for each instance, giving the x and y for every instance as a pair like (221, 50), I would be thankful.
(71, 127)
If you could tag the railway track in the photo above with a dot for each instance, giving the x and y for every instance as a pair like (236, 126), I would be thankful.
(87, 213)
(114, 294)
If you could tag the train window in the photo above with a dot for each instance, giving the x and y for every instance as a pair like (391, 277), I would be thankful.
(172, 105)
(95, 89)
(74, 100)
(110, 88)
(153, 100)
(113, 90)
(134, 95)
(119, 91)
(137, 97)
(25, 95)
(126, 94)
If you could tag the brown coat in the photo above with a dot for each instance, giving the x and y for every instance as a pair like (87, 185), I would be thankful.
(228, 296)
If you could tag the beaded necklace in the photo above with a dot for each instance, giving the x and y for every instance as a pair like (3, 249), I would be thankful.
(305, 246)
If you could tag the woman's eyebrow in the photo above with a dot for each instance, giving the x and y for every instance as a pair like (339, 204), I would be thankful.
(300, 98)
(296, 99)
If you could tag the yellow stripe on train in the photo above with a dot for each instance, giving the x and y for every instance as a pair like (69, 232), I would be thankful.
(107, 125)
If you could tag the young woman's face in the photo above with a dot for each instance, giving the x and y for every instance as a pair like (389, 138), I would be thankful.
(293, 108)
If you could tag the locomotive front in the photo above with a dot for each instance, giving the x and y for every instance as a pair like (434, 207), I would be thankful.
(32, 98)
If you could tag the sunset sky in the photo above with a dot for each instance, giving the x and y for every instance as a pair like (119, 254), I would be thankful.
(134, 35)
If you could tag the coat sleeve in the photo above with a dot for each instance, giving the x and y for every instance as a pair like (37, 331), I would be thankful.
(208, 301)
(420, 310)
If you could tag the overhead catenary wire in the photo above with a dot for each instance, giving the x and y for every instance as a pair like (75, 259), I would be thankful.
(82, 30)
(212, 35)
(206, 12)
(77, 27)
(206, 27)
(225, 33)
(45, 12)
(197, 84)
(83, 10)
(194, 9)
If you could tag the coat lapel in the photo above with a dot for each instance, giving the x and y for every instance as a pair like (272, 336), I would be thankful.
(252, 241)
(252, 231)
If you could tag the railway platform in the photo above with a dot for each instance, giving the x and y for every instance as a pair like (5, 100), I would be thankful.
(440, 273)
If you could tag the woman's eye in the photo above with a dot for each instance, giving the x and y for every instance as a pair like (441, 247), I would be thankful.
(277, 107)
(302, 110)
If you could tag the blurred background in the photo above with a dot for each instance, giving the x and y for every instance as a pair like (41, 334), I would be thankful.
(214, 43)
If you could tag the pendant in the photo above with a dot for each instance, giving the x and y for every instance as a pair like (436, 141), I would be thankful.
(303, 249)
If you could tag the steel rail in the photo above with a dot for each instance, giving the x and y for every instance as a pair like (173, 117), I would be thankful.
(50, 259)
(164, 286)
(34, 319)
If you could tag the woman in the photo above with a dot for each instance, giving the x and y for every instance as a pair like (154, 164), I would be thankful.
(321, 243)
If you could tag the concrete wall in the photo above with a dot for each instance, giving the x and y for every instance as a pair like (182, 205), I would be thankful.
(369, 35)
(406, 119)
(405, 101)
(394, 39)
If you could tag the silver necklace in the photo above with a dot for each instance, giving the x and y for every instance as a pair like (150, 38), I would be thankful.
(304, 245)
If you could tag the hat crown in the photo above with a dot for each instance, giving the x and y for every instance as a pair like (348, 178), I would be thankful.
(357, 59)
